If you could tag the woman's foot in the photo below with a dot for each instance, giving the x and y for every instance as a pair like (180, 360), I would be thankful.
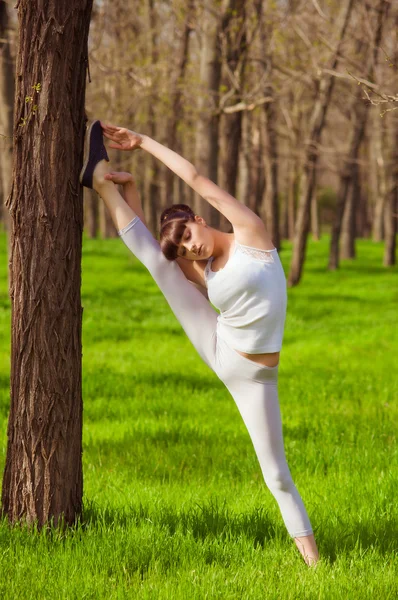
(308, 549)
(94, 154)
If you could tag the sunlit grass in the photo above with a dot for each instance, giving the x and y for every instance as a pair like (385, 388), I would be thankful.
(175, 505)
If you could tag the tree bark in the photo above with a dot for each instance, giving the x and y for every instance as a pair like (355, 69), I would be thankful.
(43, 473)
(7, 92)
(317, 122)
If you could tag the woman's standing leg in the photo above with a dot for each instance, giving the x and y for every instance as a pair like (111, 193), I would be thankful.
(254, 389)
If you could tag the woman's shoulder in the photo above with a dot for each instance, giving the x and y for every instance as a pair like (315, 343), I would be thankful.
(257, 237)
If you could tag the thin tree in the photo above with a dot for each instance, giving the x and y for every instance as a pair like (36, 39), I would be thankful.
(391, 210)
(357, 133)
(177, 95)
(209, 116)
(317, 123)
(43, 472)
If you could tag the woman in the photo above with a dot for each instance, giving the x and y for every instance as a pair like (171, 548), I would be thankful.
(245, 280)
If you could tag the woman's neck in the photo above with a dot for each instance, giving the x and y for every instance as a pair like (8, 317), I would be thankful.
(222, 243)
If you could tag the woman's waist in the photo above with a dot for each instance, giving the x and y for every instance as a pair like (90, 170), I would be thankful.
(252, 340)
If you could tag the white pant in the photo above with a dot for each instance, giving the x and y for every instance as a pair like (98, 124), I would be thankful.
(252, 386)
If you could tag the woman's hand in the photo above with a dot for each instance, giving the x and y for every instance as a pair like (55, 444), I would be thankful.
(119, 177)
(123, 139)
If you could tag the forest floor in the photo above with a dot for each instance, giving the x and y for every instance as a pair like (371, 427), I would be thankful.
(174, 502)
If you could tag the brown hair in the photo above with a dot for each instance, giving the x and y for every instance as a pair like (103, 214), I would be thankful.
(173, 221)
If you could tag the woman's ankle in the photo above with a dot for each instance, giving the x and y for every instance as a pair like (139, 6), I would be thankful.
(101, 169)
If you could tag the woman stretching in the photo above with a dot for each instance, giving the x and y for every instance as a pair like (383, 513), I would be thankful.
(245, 281)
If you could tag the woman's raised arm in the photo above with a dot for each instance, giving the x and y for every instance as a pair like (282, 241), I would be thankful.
(239, 215)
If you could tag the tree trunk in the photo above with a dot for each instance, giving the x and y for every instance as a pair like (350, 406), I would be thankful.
(208, 125)
(381, 184)
(348, 229)
(293, 179)
(271, 200)
(357, 134)
(91, 213)
(244, 191)
(391, 211)
(43, 472)
(318, 119)
(152, 195)
(391, 215)
(234, 35)
(106, 225)
(270, 138)
(316, 234)
(177, 100)
(7, 92)
(346, 180)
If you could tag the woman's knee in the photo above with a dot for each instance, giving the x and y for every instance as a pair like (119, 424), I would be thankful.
(279, 480)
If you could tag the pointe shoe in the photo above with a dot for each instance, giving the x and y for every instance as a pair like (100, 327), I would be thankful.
(94, 152)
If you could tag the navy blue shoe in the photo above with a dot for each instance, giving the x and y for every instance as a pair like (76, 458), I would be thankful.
(94, 151)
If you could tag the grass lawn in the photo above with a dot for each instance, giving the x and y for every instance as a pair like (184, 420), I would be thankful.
(175, 504)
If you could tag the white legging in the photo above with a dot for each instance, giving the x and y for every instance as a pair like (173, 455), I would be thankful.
(252, 386)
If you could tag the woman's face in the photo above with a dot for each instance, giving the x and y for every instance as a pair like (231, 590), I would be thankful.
(197, 241)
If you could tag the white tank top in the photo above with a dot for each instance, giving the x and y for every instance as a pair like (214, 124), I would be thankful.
(250, 293)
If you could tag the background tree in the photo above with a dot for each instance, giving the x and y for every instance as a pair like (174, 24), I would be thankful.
(43, 473)
(359, 118)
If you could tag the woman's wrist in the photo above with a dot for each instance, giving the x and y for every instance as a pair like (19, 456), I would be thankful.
(145, 139)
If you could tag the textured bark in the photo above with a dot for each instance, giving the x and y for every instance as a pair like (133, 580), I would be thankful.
(357, 133)
(317, 123)
(43, 472)
(7, 92)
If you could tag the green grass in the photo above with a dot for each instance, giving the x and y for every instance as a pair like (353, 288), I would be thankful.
(175, 505)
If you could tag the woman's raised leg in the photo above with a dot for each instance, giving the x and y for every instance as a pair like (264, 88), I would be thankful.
(193, 311)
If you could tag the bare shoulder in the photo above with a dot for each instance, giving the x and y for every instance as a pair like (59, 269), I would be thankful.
(255, 236)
